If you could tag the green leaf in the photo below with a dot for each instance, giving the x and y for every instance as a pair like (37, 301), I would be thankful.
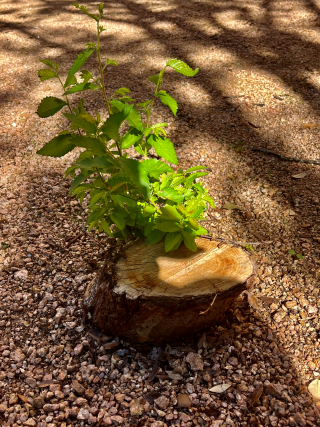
(168, 100)
(171, 194)
(130, 138)
(92, 144)
(118, 220)
(170, 212)
(291, 252)
(133, 118)
(49, 63)
(50, 106)
(122, 91)
(138, 175)
(155, 168)
(210, 200)
(77, 181)
(111, 62)
(168, 226)
(81, 87)
(299, 256)
(195, 168)
(81, 123)
(96, 162)
(194, 176)
(177, 180)
(148, 210)
(105, 227)
(96, 214)
(164, 148)
(154, 237)
(172, 241)
(46, 74)
(57, 147)
(96, 197)
(100, 9)
(154, 79)
(78, 63)
(193, 224)
(144, 104)
(189, 241)
(182, 68)
(112, 125)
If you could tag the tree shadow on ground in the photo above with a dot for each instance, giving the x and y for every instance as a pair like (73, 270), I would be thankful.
(223, 39)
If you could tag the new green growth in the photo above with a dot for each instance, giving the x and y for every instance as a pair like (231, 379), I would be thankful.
(128, 197)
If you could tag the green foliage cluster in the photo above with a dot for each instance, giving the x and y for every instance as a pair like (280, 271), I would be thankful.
(128, 197)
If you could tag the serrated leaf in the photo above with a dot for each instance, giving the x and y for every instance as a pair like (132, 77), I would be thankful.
(168, 100)
(154, 79)
(189, 241)
(96, 162)
(168, 226)
(100, 9)
(155, 168)
(172, 241)
(122, 91)
(154, 237)
(171, 194)
(118, 220)
(96, 197)
(134, 118)
(163, 147)
(77, 181)
(96, 214)
(78, 63)
(144, 104)
(81, 87)
(112, 125)
(49, 63)
(105, 226)
(58, 146)
(50, 106)
(138, 175)
(46, 74)
(130, 138)
(193, 177)
(92, 144)
(81, 123)
(195, 168)
(182, 68)
(210, 200)
(193, 224)
(170, 212)
(112, 62)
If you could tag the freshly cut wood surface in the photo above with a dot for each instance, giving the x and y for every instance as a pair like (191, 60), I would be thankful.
(151, 271)
(149, 296)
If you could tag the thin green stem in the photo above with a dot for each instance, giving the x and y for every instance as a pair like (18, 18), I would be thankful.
(102, 81)
(67, 100)
(155, 95)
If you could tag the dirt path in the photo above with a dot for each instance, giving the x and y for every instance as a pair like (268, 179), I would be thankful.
(258, 87)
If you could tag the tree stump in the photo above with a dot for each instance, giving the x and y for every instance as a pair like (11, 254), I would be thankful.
(149, 296)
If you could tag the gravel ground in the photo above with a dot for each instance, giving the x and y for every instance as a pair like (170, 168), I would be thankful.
(258, 87)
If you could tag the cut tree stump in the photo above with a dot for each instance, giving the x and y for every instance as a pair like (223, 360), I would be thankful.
(150, 296)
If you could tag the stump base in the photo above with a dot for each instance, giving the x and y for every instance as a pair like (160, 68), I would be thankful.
(149, 296)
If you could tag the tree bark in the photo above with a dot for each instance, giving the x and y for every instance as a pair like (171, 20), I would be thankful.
(149, 296)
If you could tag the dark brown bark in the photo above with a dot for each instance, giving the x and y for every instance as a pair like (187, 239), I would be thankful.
(149, 296)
